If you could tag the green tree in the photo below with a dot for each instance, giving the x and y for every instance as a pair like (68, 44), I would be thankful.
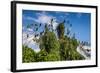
(51, 45)
(49, 41)
(41, 56)
(74, 41)
(68, 48)
(28, 55)
(60, 30)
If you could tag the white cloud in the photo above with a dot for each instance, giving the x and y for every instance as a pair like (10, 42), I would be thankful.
(29, 42)
(29, 29)
(28, 18)
(45, 18)
(67, 14)
(41, 13)
(79, 15)
(34, 46)
(55, 24)
(42, 18)
(24, 37)
(64, 15)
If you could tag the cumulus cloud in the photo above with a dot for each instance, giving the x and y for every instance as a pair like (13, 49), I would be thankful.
(55, 24)
(29, 29)
(29, 42)
(28, 18)
(45, 18)
(79, 15)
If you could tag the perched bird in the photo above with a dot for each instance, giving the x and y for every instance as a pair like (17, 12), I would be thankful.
(64, 21)
(41, 32)
(36, 35)
(27, 35)
(40, 24)
(36, 29)
(70, 25)
(36, 25)
(28, 26)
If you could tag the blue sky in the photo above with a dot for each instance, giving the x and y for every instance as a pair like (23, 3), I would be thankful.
(81, 22)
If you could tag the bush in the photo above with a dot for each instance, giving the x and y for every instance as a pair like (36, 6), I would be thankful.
(68, 49)
(51, 45)
(60, 30)
(41, 56)
(49, 42)
(28, 55)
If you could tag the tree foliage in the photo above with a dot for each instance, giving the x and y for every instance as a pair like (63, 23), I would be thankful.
(53, 48)
(28, 55)
(60, 30)
(51, 45)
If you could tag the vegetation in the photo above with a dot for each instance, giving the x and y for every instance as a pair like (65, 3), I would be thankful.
(60, 30)
(53, 48)
(28, 55)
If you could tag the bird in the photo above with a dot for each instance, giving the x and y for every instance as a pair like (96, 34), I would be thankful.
(40, 24)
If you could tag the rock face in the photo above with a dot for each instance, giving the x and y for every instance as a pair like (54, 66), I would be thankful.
(85, 51)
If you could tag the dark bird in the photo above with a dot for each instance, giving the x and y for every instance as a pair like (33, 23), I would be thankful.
(36, 35)
(51, 25)
(28, 26)
(41, 32)
(36, 29)
(27, 35)
(64, 21)
(68, 31)
(52, 20)
(36, 25)
(70, 25)
(40, 24)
